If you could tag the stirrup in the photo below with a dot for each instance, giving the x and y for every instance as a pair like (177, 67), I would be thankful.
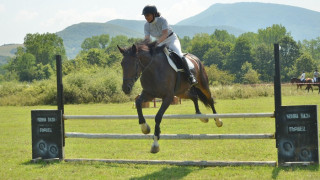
(192, 80)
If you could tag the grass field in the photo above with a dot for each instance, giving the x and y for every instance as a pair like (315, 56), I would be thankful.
(15, 149)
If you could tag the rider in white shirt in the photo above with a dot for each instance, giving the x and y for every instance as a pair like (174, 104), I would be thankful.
(316, 76)
(303, 77)
(158, 27)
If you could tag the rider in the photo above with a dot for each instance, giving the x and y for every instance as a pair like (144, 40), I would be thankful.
(158, 27)
(316, 76)
(303, 77)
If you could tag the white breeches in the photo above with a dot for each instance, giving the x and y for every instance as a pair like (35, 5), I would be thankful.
(173, 43)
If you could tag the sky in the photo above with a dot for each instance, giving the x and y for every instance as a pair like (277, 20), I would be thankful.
(19, 17)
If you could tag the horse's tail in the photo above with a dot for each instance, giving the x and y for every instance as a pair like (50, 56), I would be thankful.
(203, 91)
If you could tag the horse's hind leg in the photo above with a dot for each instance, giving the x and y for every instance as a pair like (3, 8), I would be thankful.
(192, 94)
(205, 96)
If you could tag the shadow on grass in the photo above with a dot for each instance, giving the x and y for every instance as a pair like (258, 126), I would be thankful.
(41, 163)
(277, 170)
(176, 172)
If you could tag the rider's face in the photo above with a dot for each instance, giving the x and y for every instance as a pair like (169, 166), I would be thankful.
(148, 17)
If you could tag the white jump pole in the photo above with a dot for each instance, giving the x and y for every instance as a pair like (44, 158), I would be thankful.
(169, 136)
(173, 116)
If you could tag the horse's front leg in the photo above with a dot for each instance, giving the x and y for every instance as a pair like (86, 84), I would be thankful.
(145, 128)
(164, 106)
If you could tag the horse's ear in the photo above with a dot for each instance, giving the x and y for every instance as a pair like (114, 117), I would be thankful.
(120, 49)
(134, 49)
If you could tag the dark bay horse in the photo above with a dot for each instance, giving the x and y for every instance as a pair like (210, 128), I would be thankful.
(297, 81)
(158, 80)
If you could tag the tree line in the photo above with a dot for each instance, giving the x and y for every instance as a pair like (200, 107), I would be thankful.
(228, 59)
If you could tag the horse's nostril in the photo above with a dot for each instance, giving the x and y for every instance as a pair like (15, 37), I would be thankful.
(129, 88)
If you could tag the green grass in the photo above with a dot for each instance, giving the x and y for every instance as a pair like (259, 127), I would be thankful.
(15, 149)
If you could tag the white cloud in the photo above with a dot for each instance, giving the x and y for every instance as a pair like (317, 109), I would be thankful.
(182, 10)
(25, 15)
(2, 8)
(65, 18)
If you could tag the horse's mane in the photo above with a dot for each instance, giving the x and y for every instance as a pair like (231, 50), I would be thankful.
(148, 46)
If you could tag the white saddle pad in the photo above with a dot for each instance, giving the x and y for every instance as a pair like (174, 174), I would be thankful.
(173, 65)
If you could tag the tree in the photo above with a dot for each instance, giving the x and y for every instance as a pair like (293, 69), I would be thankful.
(185, 43)
(213, 56)
(200, 44)
(98, 42)
(264, 62)
(249, 76)
(289, 53)
(217, 76)
(23, 64)
(240, 54)
(223, 36)
(90, 43)
(305, 63)
(272, 34)
(44, 47)
(95, 57)
(313, 48)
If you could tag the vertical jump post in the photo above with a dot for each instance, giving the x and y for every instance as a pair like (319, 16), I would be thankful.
(60, 102)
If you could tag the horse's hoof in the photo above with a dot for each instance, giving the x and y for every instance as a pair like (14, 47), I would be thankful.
(219, 123)
(204, 120)
(155, 149)
(145, 128)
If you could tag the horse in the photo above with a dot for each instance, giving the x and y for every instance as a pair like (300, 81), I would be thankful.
(297, 81)
(148, 62)
(309, 86)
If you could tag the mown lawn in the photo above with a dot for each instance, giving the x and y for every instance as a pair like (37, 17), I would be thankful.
(15, 149)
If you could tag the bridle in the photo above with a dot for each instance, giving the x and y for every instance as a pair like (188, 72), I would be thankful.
(144, 68)
(136, 77)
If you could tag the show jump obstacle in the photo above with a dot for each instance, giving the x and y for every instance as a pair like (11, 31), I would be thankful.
(296, 131)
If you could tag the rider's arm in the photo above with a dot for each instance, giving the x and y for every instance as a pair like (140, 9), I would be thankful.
(163, 36)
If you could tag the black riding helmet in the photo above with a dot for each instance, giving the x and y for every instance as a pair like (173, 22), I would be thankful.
(149, 9)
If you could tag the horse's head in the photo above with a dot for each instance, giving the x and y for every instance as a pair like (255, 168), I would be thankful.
(130, 68)
(295, 80)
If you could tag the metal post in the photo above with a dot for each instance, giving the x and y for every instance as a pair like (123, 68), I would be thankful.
(60, 90)
(277, 80)
(277, 91)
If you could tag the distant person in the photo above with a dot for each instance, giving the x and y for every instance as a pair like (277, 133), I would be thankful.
(158, 27)
(316, 76)
(303, 77)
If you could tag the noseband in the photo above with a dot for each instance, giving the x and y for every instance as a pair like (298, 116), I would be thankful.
(136, 77)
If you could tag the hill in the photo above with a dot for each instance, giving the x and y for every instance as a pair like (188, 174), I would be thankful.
(181, 31)
(7, 51)
(74, 35)
(302, 23)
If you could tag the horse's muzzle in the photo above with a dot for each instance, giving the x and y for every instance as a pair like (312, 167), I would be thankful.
(127, 88)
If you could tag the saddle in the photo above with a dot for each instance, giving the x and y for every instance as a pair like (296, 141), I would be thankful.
(175, 62)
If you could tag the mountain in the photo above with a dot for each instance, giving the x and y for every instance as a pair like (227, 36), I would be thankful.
(236, 18)
(7, 51)
(302, 23)
(74, 35)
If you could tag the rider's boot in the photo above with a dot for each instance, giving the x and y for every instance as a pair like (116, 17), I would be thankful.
(191, 78)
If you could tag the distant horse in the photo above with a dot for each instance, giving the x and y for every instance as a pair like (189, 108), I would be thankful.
(309, 86)
(297, 81)
(158, 80)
